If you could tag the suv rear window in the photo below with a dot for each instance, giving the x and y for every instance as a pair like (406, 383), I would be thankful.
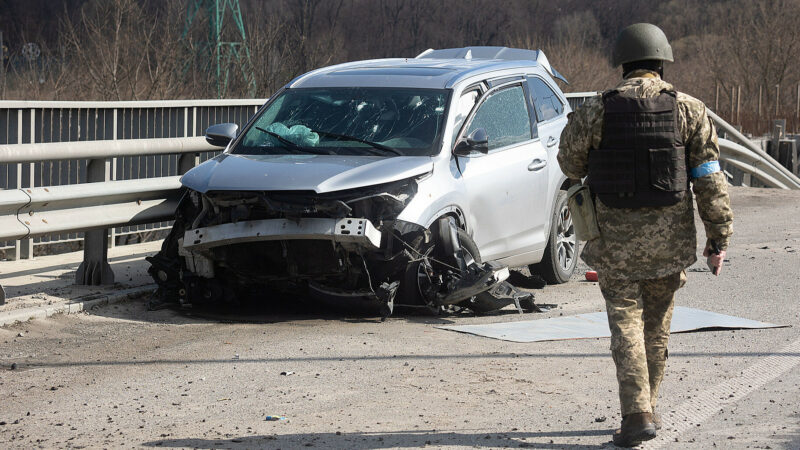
(545, 101)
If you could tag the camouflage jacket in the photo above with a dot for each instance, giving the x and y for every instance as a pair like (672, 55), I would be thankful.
(650, 242)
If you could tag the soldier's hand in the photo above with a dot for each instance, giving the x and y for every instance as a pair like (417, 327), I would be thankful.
(714, 260)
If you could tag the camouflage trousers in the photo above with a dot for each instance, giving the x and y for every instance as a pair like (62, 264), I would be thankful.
(639, 316)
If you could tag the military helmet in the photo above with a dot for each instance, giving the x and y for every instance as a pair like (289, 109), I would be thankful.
(641, 41)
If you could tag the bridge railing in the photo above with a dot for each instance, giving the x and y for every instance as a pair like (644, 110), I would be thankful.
(91, 208)
(25, 123)
(74, 161)
(102, 165)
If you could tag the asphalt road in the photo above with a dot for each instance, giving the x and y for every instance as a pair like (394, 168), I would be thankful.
(121, 376)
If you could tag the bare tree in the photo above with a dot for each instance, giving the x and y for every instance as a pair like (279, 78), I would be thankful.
(45, 77)
(579, 28)
(123, 53)
(755, 46)
(313, 26)
(269, 49)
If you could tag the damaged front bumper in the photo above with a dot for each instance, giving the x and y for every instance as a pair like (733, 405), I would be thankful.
(351, 232)
(231, 246)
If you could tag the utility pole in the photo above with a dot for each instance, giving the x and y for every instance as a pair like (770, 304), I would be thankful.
(738, 104)
(758, 122)
(777, 100)
(226, 44)
(759, 101)
(2, 57)
(716, 100)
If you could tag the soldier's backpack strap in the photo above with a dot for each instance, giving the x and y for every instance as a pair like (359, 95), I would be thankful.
(674, 93)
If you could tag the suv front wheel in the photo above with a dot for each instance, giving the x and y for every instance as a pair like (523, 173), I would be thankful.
(561, 254)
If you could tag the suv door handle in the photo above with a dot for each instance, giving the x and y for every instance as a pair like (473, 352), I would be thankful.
(537, 164)
(552, 141)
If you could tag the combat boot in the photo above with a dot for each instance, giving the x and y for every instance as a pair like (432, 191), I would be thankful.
(636, 428)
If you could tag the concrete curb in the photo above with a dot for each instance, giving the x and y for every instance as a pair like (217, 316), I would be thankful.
(80, 304)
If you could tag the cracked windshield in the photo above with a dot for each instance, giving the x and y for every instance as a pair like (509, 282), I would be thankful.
(349, 121)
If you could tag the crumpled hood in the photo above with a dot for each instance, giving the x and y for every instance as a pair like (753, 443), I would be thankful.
(319, 173)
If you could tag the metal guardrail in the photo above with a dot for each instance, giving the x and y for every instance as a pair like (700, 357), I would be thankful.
(70, 170)
(21, 153)
(576, 99)
(89, 207)
(750, 162)
(750, 158)
(26, 213)
(97, 205)
(35, 122)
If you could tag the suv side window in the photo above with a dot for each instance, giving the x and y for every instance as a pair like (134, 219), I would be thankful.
(545, 101)
(504, 116)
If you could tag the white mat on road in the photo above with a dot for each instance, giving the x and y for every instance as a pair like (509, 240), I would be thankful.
(595, 325)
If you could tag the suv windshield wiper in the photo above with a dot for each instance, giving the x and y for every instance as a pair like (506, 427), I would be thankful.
(345, 137)
(291, 144)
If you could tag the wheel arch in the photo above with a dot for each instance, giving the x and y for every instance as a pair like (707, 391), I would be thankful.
(450, 211)
(563, 185)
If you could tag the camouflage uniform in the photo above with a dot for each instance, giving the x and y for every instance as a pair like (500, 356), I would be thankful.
(641, 253)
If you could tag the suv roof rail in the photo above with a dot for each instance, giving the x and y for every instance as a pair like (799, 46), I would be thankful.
(501, 53)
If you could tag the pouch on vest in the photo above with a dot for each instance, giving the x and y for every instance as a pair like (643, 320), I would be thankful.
(668, 169)
(581, 208)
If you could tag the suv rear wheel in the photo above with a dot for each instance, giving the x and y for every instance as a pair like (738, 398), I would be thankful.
(561, 254)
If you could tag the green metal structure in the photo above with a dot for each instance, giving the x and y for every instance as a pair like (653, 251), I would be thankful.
(226, 45)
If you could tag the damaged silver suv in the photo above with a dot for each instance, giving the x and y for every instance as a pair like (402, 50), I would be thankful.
(383, 182)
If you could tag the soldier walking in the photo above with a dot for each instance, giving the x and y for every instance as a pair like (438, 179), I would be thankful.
(644, 146)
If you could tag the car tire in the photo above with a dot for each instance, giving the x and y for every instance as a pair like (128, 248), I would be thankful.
(561, 254)
(409, 292)
(409, 295)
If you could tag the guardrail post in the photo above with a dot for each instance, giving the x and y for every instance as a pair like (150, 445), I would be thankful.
(113, 176)
(186, 161)
(95, 270)
(27, 244)
(23, 249)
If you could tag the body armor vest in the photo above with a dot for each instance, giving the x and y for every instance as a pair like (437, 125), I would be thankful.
(641, 161)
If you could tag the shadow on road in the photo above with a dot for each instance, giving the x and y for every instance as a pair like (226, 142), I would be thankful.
(281, 309)
(793, 436)
(267, 313)
(399, 439)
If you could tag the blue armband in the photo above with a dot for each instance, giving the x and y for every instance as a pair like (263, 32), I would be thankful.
(705, 169)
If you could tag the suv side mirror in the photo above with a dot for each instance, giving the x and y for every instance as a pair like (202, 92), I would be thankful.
(221, 134)
(477, 141)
